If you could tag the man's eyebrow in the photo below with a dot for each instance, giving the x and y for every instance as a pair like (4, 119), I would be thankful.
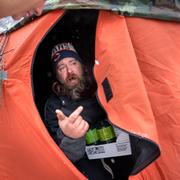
(59, 65)
(72, 60)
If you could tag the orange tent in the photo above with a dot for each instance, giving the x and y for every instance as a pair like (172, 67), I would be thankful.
(137, 58)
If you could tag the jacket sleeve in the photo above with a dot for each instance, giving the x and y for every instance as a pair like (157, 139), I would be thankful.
(74, 149)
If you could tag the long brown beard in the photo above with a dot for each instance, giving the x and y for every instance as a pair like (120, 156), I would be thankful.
(75, 92)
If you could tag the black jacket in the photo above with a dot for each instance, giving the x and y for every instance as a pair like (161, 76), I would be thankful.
(75, 148)
(92, 112)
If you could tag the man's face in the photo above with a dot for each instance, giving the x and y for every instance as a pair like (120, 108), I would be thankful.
(69, 72)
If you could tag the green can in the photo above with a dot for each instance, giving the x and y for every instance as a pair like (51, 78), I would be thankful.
(92, 137)
(105, 132)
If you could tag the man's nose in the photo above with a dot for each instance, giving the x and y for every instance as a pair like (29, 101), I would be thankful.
(69, 69)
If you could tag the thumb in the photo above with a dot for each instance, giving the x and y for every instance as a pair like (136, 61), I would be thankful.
(60, 115)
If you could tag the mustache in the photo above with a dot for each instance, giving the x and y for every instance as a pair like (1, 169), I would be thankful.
(73, 92)
(72, 76)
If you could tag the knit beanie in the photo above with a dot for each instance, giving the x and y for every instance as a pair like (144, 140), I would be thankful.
(61, 51)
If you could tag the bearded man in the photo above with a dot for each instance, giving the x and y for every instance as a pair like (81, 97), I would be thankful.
(72, 109)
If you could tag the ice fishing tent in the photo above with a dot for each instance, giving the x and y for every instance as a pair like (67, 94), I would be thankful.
(135, 64)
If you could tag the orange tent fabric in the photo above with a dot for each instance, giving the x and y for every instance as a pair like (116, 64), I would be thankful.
(26, 149)
(146, 91)
(129, 107)
(149, 63)
(157, 51)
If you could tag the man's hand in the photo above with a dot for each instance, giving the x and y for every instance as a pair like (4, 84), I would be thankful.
(73, 126)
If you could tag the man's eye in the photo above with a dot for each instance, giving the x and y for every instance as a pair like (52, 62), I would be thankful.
(74, 62)
(61, 68)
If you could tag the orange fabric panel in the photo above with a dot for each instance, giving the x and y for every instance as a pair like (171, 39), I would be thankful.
(26, 148)
(130, 107)
(157, 48)
(140, 57)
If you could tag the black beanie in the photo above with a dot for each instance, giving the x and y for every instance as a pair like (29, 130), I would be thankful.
(61, 51)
